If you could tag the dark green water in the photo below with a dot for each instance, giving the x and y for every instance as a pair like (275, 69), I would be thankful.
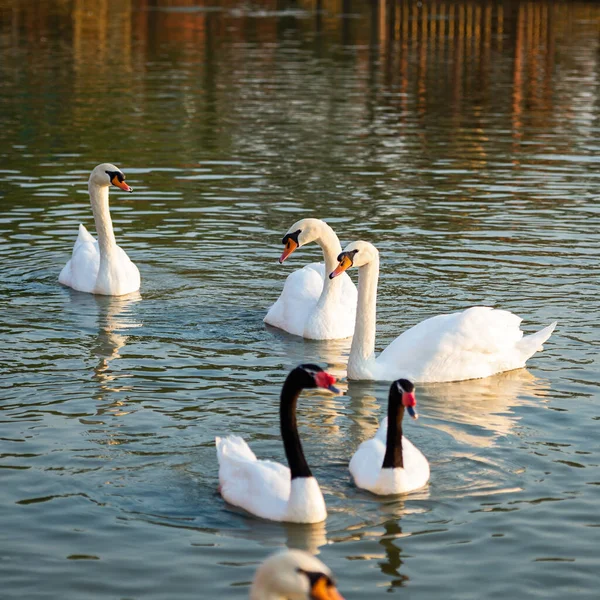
(461, 139)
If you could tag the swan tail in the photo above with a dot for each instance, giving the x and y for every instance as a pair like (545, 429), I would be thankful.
(83, 236)
(530, 344)
(233, 447)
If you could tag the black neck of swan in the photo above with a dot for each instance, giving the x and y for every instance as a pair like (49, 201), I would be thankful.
(393, 445)
(292, 387)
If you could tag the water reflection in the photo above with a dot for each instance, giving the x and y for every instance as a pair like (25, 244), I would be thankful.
(421, 50)
(477, 412)
(391, 567)
(113, 315)
(332, 354)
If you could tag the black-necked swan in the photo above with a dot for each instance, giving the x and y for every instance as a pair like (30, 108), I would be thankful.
(311, 305)
(477, 342)
(268, 489)
(101, 267)
(293, 575)
(389, 463)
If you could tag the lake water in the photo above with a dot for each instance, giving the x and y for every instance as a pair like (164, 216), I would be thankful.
(460, 138)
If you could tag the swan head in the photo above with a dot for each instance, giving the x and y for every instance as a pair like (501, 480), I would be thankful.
(106, 174)
(406, 390)
(356, 254)
(299, 234)
(293, 575)
(312, 376)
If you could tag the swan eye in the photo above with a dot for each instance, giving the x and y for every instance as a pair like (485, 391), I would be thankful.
(115, 177)
(292, 236)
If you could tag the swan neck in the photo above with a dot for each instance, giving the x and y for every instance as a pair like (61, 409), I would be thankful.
(289, 428)
(363, 342)
(331, 247)
(393, 445)
(104, 227)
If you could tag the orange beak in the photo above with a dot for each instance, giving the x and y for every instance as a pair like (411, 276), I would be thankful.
(290, 246)
(345, 263)
(121, 184)
(322, 591)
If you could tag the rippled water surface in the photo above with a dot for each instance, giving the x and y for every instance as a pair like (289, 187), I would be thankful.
(460, 138)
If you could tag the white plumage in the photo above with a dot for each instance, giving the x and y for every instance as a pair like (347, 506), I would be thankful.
(311, 305)
(293, 575)
(101, 266)
(268, 489)
(477, 342)
(264, 487)
(365, 466)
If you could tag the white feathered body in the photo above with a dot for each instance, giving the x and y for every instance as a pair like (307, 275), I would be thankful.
(82, 271)
(298, 310)
(367, 472)
(264, 488)
(477, 342)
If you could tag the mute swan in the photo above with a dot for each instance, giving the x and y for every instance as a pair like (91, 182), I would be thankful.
(477, 342)
(311, 305)
(389, 463)
(101, 267)
(268, 489)
(293, 575)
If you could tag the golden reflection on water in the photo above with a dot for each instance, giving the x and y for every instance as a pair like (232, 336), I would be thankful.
(413, 38)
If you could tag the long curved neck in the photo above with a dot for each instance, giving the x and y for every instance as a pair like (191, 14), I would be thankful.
(330, 244)
(289, 428)
(104, 228)
(393, 445)
(363, 342)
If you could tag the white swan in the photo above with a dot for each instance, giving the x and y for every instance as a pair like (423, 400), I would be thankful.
(293, 575)
(311, 305)
(101, 267)
(477, 342)
(389, 463)
(268, 489)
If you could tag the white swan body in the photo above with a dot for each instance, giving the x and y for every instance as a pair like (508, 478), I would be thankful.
(268, 489)
(365, 466)
(477, 342)
(265, 488)
(311, 305)
(100, 266)
(293, 575)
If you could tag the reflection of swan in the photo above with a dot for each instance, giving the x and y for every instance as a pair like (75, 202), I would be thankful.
(306, 536)
(299, 350)
(476, 412)
(389, 463)
(114, 314)
(312, 305)
(101, 267)
(268, 489)
(393, 554)
(477, 342)
(109, 315)
(293, 574)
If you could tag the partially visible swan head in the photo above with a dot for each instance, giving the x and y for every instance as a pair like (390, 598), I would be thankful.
(356, 254)
(293, 575)
(106, 174)
(312, 376)
(406, 390)
(302, 232)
